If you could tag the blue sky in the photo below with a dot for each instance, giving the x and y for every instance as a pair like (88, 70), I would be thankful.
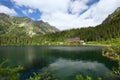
(19, 10)
(63, 14)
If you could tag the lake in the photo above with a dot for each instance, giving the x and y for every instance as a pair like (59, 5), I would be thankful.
(67, 61)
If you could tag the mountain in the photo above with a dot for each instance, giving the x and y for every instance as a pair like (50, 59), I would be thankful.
(23, 26)
(114, 17)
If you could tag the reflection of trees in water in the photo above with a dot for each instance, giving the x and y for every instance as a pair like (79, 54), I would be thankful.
(32, 61)
(90, 55)
(66, 68)
(44, 56)
(29, 55)
(39, 57)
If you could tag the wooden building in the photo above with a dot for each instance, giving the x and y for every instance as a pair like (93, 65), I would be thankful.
(75, 40)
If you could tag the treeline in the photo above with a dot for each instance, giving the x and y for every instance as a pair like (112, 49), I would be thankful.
(20, 40)
(98, 33)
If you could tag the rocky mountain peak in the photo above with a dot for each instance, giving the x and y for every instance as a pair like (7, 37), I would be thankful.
(23, 26)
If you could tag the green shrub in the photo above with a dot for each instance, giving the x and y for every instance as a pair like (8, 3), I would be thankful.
(46, 75)
(80, 77)
(8, 72)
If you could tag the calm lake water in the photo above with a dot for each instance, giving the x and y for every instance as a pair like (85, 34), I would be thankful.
(67, 62)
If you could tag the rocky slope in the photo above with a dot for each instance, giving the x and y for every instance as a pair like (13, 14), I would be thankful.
(23, 26)
(114, 17)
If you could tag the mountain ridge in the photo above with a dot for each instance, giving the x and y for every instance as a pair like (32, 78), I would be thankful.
(113, 17)
(21, 26)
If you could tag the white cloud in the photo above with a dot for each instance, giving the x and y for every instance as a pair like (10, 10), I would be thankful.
(4, 9)
(30, 11)
(102, 9)
(24, 12)
(56, 13)
(78, 6)
(45, 6)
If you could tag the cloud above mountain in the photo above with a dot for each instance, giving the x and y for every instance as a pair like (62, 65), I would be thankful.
(4, 9)
(67, 14)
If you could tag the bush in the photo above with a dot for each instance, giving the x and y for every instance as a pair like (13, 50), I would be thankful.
(80, 77)
(8, 73)
(46, 75)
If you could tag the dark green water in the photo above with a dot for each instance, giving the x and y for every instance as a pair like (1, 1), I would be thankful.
(66, 61)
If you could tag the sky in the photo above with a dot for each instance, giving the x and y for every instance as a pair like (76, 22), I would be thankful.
(63, 14)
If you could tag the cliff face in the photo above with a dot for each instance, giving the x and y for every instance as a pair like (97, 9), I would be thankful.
(21, 26)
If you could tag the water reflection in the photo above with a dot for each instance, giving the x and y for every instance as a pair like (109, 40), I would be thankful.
(66, 61)
(67, 68)
(75, 48)
(29, 55)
